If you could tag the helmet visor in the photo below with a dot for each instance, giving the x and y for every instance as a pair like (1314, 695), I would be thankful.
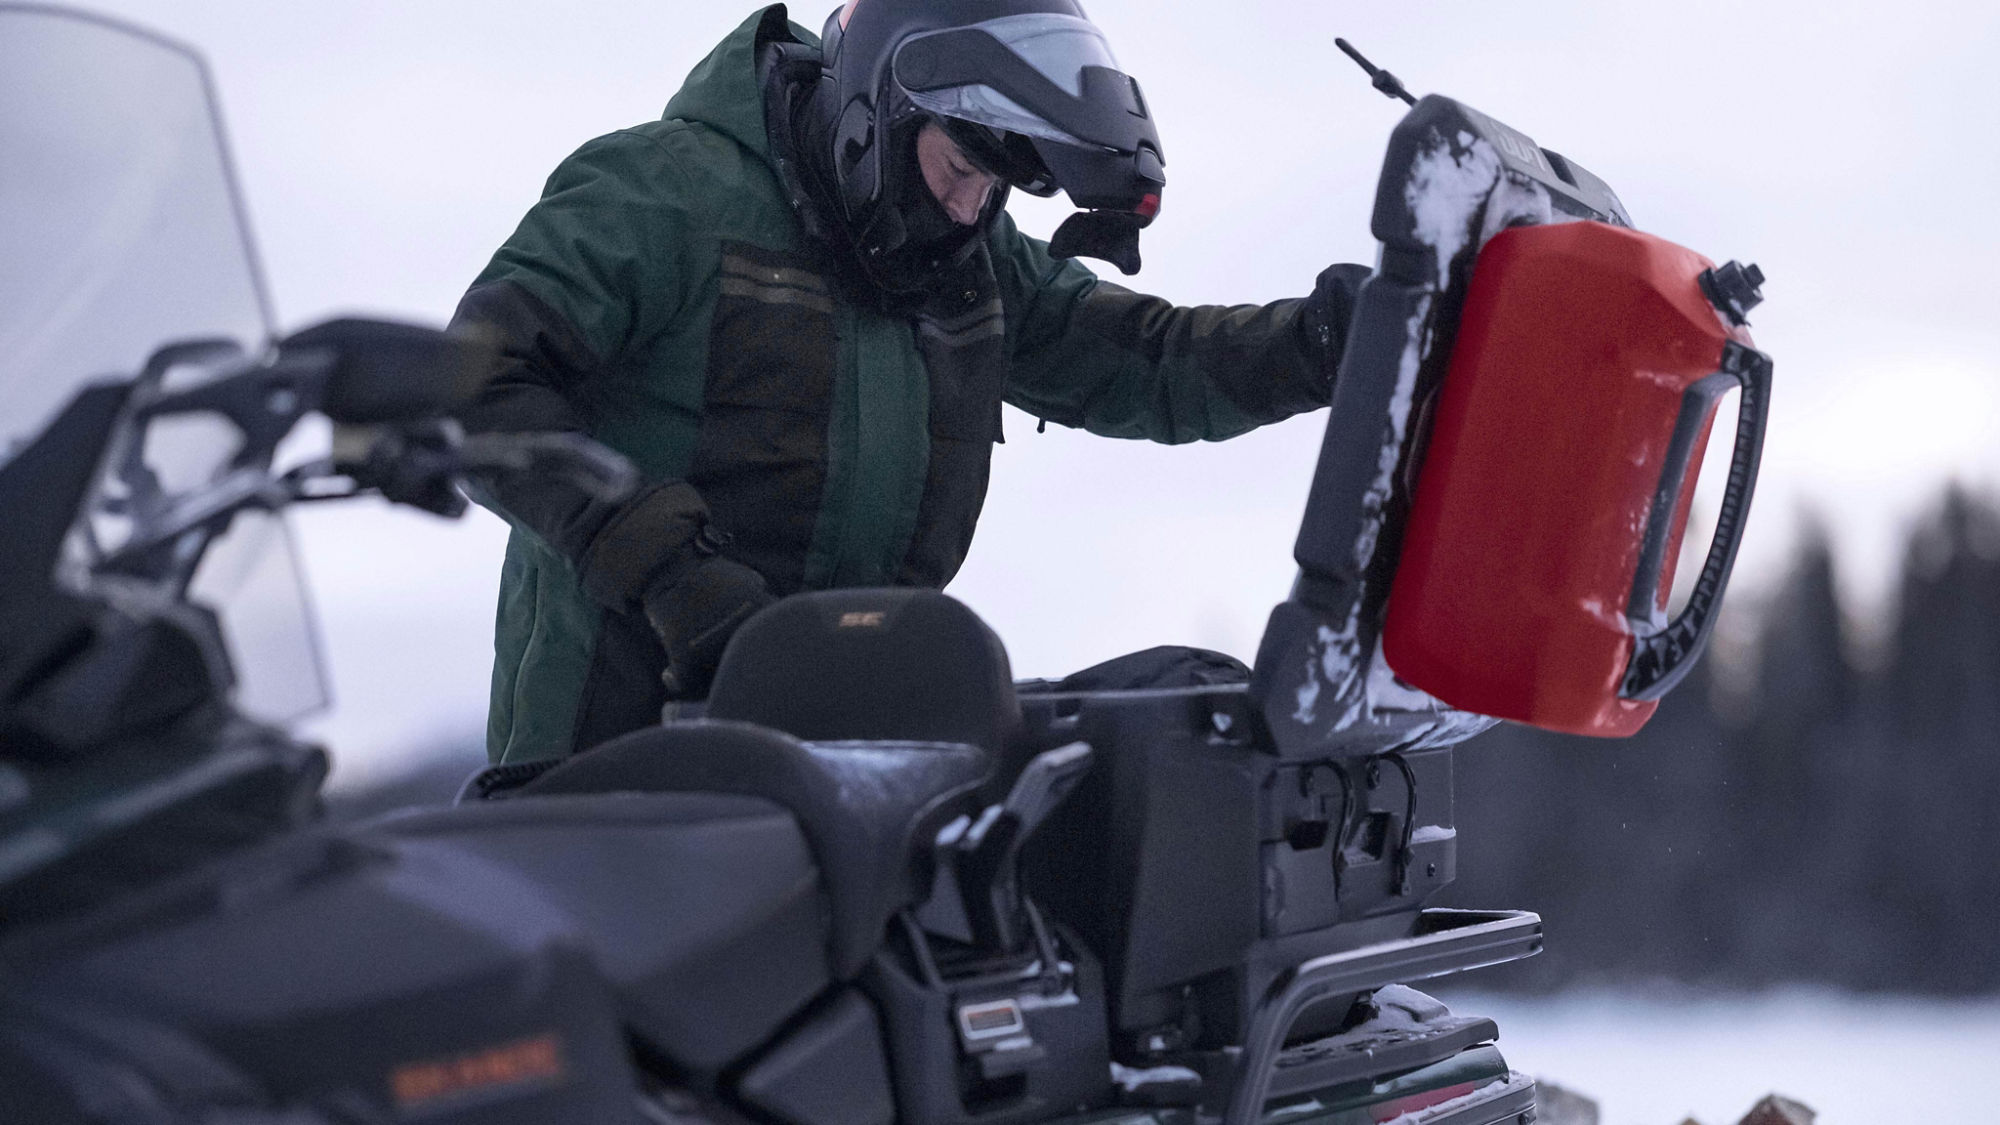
(1010, 156)
(1054, 48)
(1050, 81)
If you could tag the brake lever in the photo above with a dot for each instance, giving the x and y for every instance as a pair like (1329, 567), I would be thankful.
(421, 465)
(599, 472)
(1041, 786)
(414, 465)
(989, 850)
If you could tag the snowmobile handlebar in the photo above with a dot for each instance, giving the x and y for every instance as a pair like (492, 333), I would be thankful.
(388, 388)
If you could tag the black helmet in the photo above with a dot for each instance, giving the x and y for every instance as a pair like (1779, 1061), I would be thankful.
(1028, 89)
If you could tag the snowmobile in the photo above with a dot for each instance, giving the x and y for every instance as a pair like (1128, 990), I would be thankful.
(870, 880)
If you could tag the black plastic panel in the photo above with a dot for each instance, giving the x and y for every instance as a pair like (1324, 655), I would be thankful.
(1203, 869)
(1445, 941)
(832, 1070)
(704, 911)
(465, 989)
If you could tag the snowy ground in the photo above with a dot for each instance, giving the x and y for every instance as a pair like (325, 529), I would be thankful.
(1656, 1061)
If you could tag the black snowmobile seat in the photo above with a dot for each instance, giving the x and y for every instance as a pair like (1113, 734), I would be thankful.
(702, 910)
(870, 810)
(870, 664)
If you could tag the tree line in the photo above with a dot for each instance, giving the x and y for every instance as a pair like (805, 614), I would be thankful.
(1808, 811)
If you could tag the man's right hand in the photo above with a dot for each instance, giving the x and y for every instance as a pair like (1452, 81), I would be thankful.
(696, 611)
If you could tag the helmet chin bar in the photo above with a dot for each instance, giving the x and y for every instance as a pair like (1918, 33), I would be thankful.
(1119, 193)
(1111, 236)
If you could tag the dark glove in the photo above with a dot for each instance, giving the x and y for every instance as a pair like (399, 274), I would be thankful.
(1325, 315)
(658, 553)
(695, 608)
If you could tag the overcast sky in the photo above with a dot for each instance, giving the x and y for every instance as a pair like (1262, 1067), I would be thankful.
(388, 147)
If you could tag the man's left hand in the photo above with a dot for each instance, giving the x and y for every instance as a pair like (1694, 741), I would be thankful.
(697, 613)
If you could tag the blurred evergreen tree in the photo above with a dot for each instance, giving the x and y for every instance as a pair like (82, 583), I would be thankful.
(1620, 845)
(1936, 830)
(1843, 834)
(1801, 769)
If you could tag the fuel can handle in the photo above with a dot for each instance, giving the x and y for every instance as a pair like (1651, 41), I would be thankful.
(1662, 658)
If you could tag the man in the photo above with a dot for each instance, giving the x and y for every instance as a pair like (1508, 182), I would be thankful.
(797, 304)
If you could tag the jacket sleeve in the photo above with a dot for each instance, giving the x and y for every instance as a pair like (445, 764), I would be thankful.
(591, 269)
(1092, 354)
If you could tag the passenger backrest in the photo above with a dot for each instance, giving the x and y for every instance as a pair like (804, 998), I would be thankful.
(873, 664)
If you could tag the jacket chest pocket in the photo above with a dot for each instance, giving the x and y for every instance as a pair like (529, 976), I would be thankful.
(761, 458)
(772, 341)
(966, 356)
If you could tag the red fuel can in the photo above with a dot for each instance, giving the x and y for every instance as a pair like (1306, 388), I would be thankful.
(1560, 468)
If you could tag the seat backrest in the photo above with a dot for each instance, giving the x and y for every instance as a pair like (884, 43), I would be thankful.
(870, 664)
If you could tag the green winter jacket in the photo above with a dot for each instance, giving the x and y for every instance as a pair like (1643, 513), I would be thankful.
(662, 298)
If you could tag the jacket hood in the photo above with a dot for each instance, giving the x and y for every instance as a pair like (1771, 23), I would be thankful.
(722, 91)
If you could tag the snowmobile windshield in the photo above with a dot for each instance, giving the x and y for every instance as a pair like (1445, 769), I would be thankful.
(120, 228)
(121, 231)
(1056, 48)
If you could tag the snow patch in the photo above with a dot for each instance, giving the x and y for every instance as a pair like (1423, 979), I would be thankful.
(1133, 1079)
(1330, 664)
(1449, 183)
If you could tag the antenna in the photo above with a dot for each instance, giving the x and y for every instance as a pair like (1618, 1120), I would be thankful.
(1388, 83)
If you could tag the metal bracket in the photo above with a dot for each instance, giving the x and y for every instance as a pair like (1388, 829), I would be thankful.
(1447, 941)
